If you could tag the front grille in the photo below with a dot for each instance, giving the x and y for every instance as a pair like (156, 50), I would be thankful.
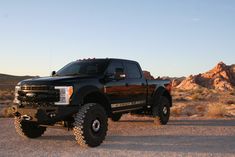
(37, 88)
(38, 94)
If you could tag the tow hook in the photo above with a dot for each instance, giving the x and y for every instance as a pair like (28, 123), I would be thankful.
(26, 117)
(17, 114)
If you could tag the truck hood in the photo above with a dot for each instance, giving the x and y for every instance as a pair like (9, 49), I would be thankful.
(54, 80)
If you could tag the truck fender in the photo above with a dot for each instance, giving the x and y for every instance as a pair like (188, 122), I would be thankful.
(96, 94)
(161, 91)
(84, 91)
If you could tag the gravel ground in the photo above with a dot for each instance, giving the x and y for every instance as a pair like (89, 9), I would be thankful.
(132, 136)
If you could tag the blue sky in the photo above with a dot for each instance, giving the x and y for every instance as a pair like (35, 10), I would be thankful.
(168, 38)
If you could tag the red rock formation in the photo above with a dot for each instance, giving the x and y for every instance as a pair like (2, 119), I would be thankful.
(221, 77)
(176, 81)
(148, 75)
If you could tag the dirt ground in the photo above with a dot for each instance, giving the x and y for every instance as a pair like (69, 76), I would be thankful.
(132, 136)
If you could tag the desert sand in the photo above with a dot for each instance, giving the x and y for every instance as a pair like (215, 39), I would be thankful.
(132, 136)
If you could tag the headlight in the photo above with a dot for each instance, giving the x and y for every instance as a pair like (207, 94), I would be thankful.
(65, 94)
(17, 88)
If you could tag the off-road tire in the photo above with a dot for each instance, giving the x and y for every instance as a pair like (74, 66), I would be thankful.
(28, 129)
(116, 117)
(161, 111)
(84, 120)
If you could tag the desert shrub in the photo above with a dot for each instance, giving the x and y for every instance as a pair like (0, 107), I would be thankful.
(211, 96)
(202, 93)
(189, 110)
(216, 110)
(201, 109)
(198, 90)
(213, 91)
(189, 113)
(7, 112)
(230, 102)
(197, 96)
(6, 95)
(180, 90)
(180, 99)
(232, 92)
(176, 111)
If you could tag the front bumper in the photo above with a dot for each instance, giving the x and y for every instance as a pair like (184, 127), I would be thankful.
(45, 115)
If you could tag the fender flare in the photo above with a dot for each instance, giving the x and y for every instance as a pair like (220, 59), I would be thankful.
(161, 91)
(89, 90)
(84, 91)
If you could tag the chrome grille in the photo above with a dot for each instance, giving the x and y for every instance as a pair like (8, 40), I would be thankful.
(37, 87)
(38, 94)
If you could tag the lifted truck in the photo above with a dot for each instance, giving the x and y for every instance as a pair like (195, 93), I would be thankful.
(84, 94)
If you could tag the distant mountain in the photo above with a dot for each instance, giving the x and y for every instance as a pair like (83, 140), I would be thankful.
(221, 77)
(9, 81)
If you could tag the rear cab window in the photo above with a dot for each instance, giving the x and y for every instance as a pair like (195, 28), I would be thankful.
(132, 70)
(113, 66)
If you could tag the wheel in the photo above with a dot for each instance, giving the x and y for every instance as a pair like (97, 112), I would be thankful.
(161, 111)
(116, 117)
(28, 129)
(90, 125)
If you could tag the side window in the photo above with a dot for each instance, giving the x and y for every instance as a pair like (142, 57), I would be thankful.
(133, 70)
(113, 66)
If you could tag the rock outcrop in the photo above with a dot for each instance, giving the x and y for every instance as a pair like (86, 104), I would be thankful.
(221, 77)
(148, 75)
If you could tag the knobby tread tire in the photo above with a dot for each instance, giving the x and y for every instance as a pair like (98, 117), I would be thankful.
(159, 118)
(82, 125)
(28, 129)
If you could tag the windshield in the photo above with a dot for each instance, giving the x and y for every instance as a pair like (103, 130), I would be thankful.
(89, 67)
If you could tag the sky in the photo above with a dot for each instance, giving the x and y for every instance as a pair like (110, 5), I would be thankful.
(167, 37)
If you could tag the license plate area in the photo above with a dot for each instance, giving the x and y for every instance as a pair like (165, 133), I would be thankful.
(37, 114)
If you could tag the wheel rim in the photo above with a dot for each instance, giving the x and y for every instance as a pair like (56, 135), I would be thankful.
(96, 125)
(164, 110)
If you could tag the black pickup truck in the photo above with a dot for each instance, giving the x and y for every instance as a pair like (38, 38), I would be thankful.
(84, 94)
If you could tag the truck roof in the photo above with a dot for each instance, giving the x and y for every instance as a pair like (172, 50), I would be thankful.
(90, 59)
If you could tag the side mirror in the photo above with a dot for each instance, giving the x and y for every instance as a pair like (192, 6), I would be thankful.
(119, 74)
(53, 73)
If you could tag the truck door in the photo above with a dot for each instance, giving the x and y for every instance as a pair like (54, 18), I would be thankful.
(136, 84)
(116, 89)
